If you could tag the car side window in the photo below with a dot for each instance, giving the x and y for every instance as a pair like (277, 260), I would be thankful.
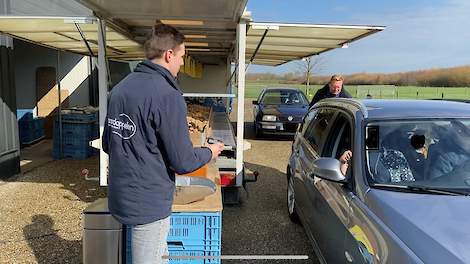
(339, 138)
(307, 119)
(316, 130)
(260, 96)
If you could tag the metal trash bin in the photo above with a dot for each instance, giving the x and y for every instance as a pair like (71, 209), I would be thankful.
(102, 235)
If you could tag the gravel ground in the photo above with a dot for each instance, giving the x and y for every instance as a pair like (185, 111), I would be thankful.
(261, 225)
(40, 212)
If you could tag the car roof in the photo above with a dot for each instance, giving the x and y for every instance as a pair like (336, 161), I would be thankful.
(404, 108)
(282, 89)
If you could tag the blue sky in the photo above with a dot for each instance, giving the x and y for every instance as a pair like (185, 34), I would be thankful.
(419, 34)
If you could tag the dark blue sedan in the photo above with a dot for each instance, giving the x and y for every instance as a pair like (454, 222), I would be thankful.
(279, 111)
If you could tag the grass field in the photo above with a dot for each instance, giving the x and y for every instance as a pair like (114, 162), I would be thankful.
(253, 88)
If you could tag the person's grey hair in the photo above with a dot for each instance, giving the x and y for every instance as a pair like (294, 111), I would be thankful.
(162, 38)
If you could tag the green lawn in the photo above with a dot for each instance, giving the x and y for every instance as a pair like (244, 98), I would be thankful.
(253, 88)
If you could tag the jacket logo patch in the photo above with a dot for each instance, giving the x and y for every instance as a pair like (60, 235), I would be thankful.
(123, 126)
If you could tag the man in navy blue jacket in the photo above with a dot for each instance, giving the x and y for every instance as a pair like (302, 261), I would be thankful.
(147, 138)
(333, 89)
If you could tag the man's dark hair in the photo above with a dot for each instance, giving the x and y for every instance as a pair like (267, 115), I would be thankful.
(162, 38)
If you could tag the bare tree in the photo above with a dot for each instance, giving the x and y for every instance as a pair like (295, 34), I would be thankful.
(307, 66)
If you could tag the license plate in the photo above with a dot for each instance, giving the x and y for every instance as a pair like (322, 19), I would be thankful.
(269, 126)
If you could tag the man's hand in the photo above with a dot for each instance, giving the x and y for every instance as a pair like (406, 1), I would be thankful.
(346, 157)
(216, 149)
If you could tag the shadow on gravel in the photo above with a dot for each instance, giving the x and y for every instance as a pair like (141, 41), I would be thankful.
(47, 245)
(69, 174)
(261, 225)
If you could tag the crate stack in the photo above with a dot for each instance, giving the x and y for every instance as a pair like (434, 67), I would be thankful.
(79, 127)
(195, 234)
(31, 129)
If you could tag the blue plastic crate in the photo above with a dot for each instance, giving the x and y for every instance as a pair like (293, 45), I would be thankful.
(38, 133)
(72, 148)
(24, 114)
(193, 253)
(80, 131)
(192, 234)
(196, 228)
(80, 117)
(72, 138)
(26, 136)
(25, 126)
(75, 140)
(179, 246)
(38, 123)
(30, 130)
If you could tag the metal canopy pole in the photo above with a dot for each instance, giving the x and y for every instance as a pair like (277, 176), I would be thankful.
(84, 40)
(254, 53)
(241, 37)
(257, 48)
(103, 96)
(59, 107)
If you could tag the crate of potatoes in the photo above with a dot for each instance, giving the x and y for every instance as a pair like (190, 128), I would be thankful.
(198, 123)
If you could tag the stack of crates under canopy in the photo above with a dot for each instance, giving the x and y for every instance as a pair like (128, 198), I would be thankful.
(30, 129)
(79, 127)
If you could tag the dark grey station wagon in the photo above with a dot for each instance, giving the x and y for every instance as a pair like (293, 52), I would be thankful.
(404, 195)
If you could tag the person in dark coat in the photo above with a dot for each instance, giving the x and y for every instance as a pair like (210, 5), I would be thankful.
(147, 138)
(333, 89)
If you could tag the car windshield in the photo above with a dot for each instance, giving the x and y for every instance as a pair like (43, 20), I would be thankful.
(288, 97)
(424, 153)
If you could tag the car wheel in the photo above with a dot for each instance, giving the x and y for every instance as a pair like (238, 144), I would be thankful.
(291, 199)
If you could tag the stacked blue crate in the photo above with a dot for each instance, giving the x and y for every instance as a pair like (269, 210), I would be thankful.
(30, 129)
(24, 114)
(192, 234)
(78, 129)
(195, 234)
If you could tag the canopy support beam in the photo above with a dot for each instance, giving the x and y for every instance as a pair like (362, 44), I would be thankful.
(241, 42)
(103, 97)
(84, 39)
(257, 48)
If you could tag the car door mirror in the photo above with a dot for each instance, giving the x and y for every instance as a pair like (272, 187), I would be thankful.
(328, 169)
(255, 102)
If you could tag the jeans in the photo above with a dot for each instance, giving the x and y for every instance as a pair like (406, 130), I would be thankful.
(149, 242)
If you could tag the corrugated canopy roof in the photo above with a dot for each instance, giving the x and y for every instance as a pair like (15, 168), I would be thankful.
(64, 33)
(286, 42)
(209, 25)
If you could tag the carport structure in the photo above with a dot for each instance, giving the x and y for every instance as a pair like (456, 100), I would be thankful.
(215, 30)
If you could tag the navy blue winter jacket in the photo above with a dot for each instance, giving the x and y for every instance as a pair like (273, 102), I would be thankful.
(146, 136)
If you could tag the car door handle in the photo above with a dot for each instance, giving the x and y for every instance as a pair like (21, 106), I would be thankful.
(348, 256)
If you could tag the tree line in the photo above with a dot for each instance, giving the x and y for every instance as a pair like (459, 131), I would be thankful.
(442, 77)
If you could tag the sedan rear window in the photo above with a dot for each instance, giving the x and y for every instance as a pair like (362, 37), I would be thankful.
(429, 153)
